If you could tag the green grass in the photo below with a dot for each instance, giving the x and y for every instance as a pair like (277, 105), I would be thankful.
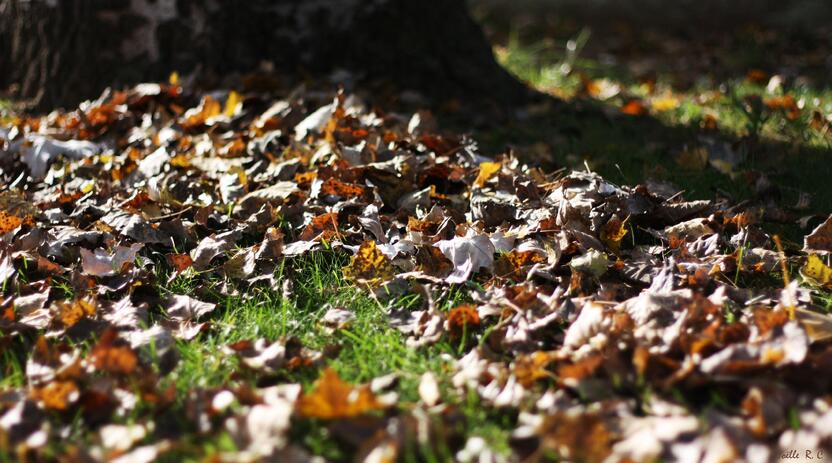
(369, 348)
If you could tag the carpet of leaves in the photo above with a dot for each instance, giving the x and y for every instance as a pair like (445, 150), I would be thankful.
(602, 317)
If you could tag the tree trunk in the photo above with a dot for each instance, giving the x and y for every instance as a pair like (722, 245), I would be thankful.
(59, 52)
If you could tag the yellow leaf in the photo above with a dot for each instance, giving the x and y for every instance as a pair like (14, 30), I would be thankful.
(233, 104)
(816, 270)
(613, 232)
(664, 103)
(241, 174)
(487, 170)
(369, 265)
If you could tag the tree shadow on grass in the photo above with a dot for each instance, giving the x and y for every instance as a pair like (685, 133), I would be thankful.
(773, 163)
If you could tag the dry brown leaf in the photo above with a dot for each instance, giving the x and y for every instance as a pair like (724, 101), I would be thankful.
(820, 240)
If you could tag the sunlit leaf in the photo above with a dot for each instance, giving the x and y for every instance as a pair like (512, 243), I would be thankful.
(487, 170)
(333, 398)
(369, 265)
(232, 104)
(816, 270)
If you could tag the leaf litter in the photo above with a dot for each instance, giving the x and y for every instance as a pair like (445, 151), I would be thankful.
(611, 322)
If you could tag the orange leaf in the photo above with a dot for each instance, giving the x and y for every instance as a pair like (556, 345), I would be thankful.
(786, 104)
(613, 232)
(71, 313)
(56, 395)
(106, 356)
(634, 108)
(322, 227)
(757, 76)
(465, 314)
(333, 187)
(9, 222)
(333, 398)
(179, 262)
(531, 368)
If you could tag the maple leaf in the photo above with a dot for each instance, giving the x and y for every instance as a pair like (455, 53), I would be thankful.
(463, 315)
(71, 313)
(487, 170)
(112, 357)
(816, 270)
(468, 254)
(820, 240)
(322, 228)
(333, 398)
(9, 222)
(613, 232)
(369, 265)
(57, 395)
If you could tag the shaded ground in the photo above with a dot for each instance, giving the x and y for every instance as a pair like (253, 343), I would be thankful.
(725, 99)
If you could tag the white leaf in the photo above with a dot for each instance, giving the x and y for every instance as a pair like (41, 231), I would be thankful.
(429, 389)
(468, 254)
(100, 263)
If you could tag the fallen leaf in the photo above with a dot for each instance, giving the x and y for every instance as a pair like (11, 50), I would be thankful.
(487, 170)
(57, 395)
(429, 389)
(369, 265)
(613, 232)
(468, 254)
(820, 240)
(9, 222)
(786, 104)
(71, 313)
(664, 103)
(462, 317)
(333, 399)
(233, 104)
(113, 357)
(816, 270)
(101, 263)
(594, 263)
(186, 308)
(634, 108)
(322, 228)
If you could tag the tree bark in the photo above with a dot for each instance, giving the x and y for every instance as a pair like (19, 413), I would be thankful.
(59, 52)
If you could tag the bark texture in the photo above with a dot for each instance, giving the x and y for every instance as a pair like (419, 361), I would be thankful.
(59, 52)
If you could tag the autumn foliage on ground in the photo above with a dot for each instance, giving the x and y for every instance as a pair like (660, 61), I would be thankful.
(605, 322)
